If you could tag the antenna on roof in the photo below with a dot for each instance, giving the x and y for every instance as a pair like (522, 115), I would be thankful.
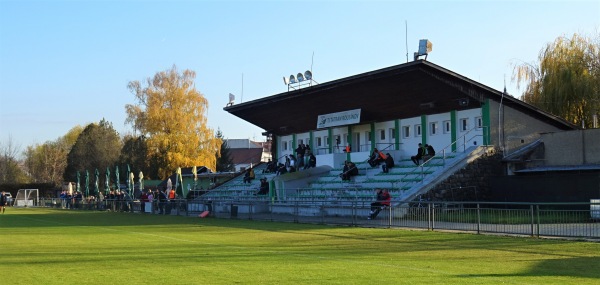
(242, 99)
(406, 37)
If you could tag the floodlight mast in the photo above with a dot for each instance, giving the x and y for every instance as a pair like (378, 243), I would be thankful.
(299, 81)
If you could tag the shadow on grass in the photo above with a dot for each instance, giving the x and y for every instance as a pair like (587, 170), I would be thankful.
(567, 267)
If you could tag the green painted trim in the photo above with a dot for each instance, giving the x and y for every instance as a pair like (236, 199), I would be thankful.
(485, 120)
(278, 148)
(294, 144)
(372, 136)
(349, 139)
(311, 138)
(397, 134)
(330, 139)
(453, 129)
(423, 129)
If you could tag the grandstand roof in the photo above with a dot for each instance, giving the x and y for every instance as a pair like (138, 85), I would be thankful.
(401, 91)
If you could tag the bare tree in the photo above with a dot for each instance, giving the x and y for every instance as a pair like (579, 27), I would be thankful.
(10, 165)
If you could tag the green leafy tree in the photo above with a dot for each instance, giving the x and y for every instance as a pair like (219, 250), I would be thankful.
(46, 162)
(224, 160)
(171, 114)
(135, 153)
(97, 147)
(566, 82)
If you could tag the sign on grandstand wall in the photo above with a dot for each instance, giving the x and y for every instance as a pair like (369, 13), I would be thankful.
(338, 119)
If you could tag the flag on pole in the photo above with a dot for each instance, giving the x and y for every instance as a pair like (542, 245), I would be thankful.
(128, 178)
(141, 176)
(78, 182)
(107, 182)
(117, 183)
(179, 183)
(87, 183)
(195, 172)
(96, 187)
(131, 183)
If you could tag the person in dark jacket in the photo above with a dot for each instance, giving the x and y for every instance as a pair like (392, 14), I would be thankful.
(430, 152)
(349, 170)
(388, 163)
(420, 152)
(3, 201)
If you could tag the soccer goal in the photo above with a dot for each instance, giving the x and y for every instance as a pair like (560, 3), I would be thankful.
(27, 198)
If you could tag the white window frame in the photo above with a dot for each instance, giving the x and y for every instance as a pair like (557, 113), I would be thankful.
(479, 122)
(406, 132)
(392, 134)
(418, 130)
(433, 128)
(447, 127)
(381, 134)
(464, 124)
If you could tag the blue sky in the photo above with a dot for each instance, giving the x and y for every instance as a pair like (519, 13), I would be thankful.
(67, 63)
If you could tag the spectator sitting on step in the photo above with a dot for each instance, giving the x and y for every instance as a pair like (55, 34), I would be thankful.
(271, 167)
(249, 176)
(349, 170)
(388, 163)
(312, 161)
(420, 152)
(376, 157)
(264, 187)
(430, 152)
(382, 200)
(281, 169)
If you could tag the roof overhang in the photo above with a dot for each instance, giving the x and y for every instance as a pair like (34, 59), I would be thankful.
(402, 91)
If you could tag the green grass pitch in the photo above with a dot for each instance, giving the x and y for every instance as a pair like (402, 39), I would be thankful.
(46, 246)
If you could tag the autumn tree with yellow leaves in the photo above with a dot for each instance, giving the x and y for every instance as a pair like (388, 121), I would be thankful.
(171, 114)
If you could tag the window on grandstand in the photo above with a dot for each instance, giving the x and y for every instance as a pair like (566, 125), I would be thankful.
(464, 125)
(300, 141)
(406, 132)
(433, 128)
(447, 127)
(392, 134)
(382, 135)
(417, 130)
(284, 145)
(479, 122)
(319, 142)
(325, 140)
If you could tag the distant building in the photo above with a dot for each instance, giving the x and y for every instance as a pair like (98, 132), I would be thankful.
(245, 153)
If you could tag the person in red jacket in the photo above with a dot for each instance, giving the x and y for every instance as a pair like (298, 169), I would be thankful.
(383, 200)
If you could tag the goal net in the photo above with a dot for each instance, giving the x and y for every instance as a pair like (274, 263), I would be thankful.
(26, 198)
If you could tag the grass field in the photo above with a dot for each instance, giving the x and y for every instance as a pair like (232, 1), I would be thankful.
(45, 246)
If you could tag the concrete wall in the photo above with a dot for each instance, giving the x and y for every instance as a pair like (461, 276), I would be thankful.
(572, 147)
(520, 129)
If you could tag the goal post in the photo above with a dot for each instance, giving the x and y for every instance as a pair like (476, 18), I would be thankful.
(27, 198)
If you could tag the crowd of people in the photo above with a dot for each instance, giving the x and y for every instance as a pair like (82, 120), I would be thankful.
(115, 200)
(162, 202)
